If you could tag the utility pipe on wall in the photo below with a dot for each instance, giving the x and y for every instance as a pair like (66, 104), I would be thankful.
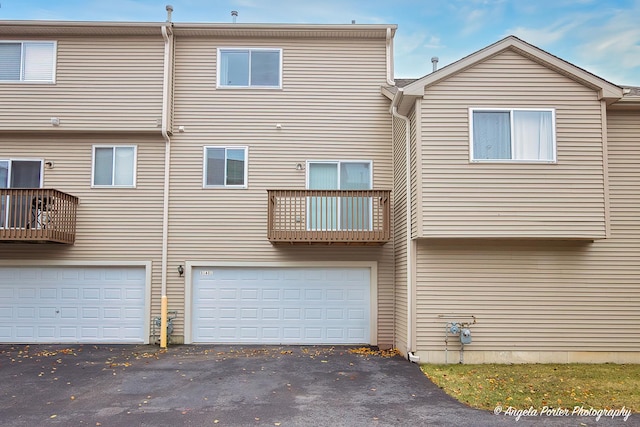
(166, 94)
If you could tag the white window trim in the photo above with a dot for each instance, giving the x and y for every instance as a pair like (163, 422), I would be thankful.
(510, 111)
(226, 87)
(226, 147)
(53, 65)
(93, 165)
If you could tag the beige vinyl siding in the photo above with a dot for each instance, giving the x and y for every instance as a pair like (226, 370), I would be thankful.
(461, 199)
(330, 108)
(533, 298)
(102, 84)
(400, 232)
(119, 224)
(416, 155)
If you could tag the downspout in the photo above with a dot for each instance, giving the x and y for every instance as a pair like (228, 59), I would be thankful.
(389, 58)
(407, 135)
(166, 93)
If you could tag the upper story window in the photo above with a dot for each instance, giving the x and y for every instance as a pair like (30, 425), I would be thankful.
(27, 61)
(513, 135)
(225, 167)
(114, 166)
(250, 68)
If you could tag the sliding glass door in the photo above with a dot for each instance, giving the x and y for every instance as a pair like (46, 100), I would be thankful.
(339, 213)
(16, 211)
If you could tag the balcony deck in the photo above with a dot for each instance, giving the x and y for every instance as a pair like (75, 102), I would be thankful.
(37, 215)
(330, 217)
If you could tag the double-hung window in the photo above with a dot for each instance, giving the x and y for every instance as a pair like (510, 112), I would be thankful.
(225, 167)
(512, 135)
(114, 166)
(27, 61)
(250, 68)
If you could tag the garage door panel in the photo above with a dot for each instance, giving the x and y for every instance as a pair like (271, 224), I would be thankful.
(281, 305)
(72, 305)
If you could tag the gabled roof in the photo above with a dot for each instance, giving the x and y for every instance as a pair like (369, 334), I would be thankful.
(606, 90)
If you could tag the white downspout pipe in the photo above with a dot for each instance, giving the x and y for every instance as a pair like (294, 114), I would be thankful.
(407, 136)
(166, 93)
(389, 58)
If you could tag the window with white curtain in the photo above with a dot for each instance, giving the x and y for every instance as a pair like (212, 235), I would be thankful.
(249, 68)
(27, 61)
(513, 135)
(114, 166)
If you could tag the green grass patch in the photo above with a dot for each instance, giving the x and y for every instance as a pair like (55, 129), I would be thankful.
(604, 386)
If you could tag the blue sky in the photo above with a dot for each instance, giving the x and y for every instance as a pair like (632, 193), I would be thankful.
(601, 36)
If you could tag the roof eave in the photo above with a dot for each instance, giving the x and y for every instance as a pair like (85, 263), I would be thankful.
(21, 28)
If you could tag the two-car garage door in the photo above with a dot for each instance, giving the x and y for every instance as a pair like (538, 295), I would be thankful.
(268, 305)
(72, 304)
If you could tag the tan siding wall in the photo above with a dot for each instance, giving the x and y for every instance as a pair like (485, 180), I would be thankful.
(543, 301)
(112, 83)
(463, 199)
(416, 154)
(113, 224)
(330, 108)
(400, 232)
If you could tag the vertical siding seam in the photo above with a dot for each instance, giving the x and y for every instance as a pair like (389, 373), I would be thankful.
(393, 252)
(605, 170)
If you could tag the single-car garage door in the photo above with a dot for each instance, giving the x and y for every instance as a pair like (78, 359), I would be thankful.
(281, 305)
(72, 304)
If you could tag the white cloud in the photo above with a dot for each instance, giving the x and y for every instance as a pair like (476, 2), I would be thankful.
(434, 43)
(550, 34)
(614, 46)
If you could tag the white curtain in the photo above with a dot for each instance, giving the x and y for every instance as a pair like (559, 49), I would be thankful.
(323, 176)
(323, 211)
(124, 167)
(38, 62)
(533, 135)
(491, 135)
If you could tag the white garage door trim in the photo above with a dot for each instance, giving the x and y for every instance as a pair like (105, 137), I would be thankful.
(80, 264)
(373, 280)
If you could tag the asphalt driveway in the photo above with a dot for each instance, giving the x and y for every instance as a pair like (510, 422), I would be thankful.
(86, 385)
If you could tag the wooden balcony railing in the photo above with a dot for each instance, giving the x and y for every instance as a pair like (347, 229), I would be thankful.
(37, 215)
(350, 217)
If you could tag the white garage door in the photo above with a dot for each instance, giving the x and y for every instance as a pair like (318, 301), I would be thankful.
(281, 305)
(72, 305)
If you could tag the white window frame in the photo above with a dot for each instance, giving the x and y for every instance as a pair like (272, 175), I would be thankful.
(220, 50)
(113, 166)
(226, 147)
(54, 47)
(472, 159)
